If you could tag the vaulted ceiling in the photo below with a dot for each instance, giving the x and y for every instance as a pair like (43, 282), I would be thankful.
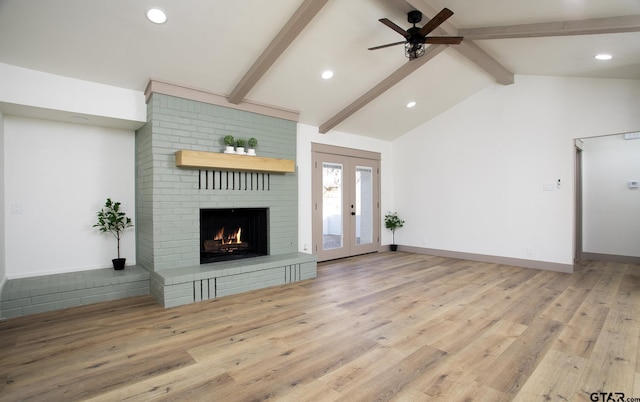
(273, 52)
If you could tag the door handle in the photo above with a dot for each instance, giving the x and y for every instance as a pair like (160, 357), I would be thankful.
(353, 213)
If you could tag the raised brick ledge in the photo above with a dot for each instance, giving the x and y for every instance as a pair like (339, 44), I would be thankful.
(186, 285)
(24, 296)
(176, 276)
(65, 282)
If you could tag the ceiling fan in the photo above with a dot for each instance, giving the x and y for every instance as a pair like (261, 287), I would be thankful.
(416, 38)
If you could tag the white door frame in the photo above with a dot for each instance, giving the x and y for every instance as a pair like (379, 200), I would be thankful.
(350, 158)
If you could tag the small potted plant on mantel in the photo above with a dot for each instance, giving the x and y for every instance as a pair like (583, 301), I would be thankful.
(229, 142)
(113, 220)
(240, 146)
(392, 222)
(253, 143)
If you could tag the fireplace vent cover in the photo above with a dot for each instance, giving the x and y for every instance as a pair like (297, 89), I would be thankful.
(228, 180)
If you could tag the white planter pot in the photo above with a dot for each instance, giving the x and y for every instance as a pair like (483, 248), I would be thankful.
(229, 150)
(251, 152)
(240, 150)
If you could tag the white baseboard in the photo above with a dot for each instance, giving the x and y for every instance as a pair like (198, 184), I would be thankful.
(625, 259)
(516, 262)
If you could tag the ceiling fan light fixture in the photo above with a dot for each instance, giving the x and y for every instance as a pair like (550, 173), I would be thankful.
(414, 50)
(603, 56)
(156, 16)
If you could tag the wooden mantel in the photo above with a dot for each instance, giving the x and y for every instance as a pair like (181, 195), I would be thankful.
(201, 159)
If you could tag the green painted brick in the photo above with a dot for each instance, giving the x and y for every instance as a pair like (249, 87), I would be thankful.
(185, 124)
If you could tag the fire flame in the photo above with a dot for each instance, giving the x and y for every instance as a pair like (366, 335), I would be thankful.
(234, 237)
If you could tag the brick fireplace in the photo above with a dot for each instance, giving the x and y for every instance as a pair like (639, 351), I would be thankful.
(170, 200)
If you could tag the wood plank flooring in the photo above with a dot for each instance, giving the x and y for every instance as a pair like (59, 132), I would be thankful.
(388, 326)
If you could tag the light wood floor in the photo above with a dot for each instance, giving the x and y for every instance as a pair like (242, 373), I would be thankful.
(389, 326)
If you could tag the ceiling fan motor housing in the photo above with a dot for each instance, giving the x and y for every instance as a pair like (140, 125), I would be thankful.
(414, 35)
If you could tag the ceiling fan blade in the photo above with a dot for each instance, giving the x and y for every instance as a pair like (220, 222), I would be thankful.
(390, 44)
(444, 40)
(441, 17)
(393, 26)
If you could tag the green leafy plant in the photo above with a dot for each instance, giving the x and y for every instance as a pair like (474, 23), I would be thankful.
(392, 222)
(228, 140)
(253, 142)
(240, 142)
(111, 219)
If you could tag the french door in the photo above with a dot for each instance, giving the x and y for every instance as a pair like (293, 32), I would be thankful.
(346, 207)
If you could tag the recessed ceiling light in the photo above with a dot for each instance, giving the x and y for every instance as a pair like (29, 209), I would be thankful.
(156, 16)
(327, 74)
(411, 104)
(603, 56)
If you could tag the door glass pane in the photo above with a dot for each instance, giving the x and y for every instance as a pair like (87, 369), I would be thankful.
(364, 205)
(332, 236)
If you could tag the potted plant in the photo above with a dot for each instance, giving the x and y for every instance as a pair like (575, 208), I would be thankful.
(113, 220)
(253, 143)
(240, 146)
(392, 222)
(229, 142)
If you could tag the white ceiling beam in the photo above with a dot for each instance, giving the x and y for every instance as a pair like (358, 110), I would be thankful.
(303, 15)
(627, 23)
(467, 48)
(395, 77)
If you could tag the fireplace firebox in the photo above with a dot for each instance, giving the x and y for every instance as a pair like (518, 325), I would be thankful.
(233, 233)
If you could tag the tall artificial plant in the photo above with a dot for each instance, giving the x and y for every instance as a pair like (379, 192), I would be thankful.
(113, 220)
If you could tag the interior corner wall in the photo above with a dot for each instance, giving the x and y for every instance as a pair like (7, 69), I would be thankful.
(482, 177)
(57, 176)
(309, 134)
(611, 209)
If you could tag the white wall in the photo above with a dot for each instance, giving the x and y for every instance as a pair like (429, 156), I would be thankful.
(471, 180)
(3, 267)
(309, 134)
(50, 92)
(57, 176)
(611, 210)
